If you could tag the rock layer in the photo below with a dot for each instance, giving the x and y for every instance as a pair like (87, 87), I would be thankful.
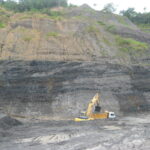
(63, 89)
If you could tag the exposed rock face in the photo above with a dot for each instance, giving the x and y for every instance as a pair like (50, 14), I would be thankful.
(63, 89)
(48, 39)
(53, 65)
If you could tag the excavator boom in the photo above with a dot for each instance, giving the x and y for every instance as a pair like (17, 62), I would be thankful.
(93, 103)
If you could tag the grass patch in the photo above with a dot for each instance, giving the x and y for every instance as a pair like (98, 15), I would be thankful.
(30, 15)
(111, 28)
(79, 17)
(53, 34)
(2, 25)
(51, 13)
(144, 27)
(122, 20)
(55, 15)
(27, 34)
(143, 64)
(106, 41)
(57, 18)
(101, 23)
(25, 17)
(4, 17)
(92, 29)
(104, 53)
(3, 11)
(131, 46)
(27, 39)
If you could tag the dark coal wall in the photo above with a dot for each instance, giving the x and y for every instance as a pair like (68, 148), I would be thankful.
(64, 89)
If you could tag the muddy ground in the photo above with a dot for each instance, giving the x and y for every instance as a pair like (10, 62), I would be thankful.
(131, 132)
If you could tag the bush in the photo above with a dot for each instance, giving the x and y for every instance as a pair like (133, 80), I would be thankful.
(131, 46)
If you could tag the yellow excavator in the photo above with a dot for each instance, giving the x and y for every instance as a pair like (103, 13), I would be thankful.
(94, 111)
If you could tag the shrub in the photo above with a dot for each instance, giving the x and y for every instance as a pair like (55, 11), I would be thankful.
(129, 45)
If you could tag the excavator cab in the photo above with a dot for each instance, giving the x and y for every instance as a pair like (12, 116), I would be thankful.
(97, 109)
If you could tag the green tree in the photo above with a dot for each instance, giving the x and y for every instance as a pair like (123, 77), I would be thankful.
(27, 5)
(139, 18)
(1, 2)
(109, 8)
(9, 4)
(130, 13)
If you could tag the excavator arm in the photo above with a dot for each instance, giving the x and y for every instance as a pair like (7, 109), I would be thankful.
(95, 102)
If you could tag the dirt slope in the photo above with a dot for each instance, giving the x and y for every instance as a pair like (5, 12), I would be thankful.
(76, 34)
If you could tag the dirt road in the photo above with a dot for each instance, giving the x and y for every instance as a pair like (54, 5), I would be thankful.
(132, 133)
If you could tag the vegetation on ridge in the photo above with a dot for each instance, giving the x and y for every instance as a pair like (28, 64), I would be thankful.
(131, 46)
(2, 25)
(28, 5)
(138, 18)
(63, 28)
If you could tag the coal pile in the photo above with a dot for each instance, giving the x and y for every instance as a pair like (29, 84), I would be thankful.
(8, 122)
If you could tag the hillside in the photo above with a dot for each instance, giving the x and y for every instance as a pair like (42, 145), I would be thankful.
(53, 64)
(71, 34)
